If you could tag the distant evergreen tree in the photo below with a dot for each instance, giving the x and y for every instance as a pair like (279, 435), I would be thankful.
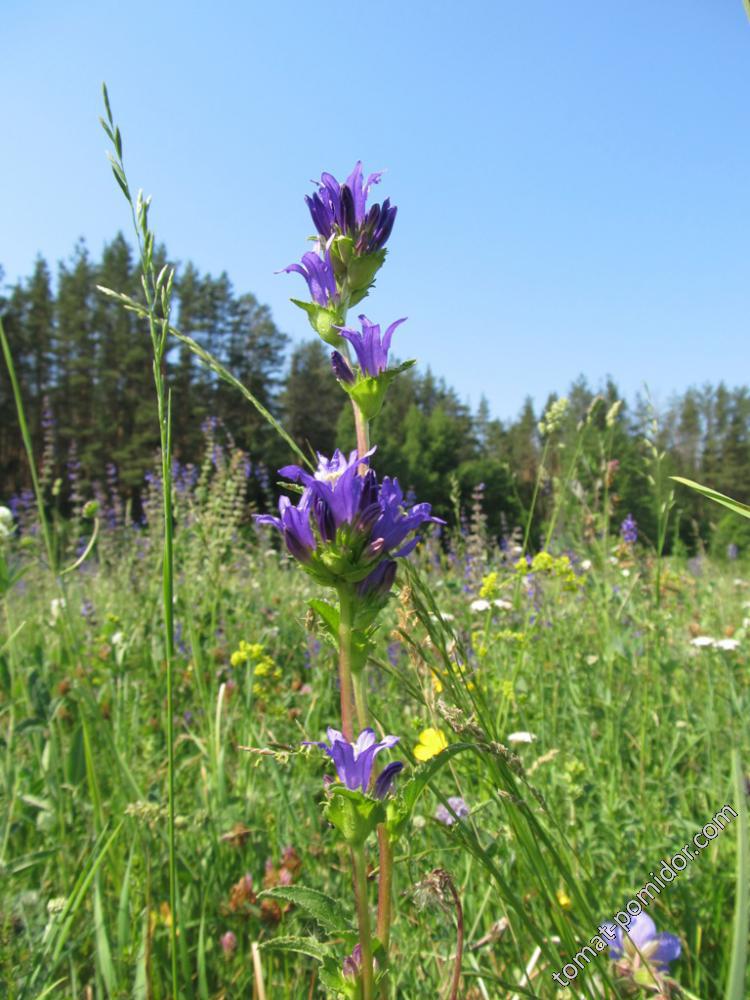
(84, 365)
(311, 411)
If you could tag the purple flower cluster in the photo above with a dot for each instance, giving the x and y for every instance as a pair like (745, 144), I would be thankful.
(346, 526)
(354, 761)
(341, 210)
(459, 807)
(629, 530)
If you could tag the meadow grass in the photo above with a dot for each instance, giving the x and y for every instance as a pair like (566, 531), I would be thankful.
(634, 729)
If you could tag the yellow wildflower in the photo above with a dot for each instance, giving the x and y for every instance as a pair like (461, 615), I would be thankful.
(564, 899)
(431, 743)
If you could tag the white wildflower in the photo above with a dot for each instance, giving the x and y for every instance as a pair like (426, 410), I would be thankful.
(504, 605)
(727, 644)
(480, 605)
(702, 641)
(586, 565)
(521, 737)
(55, 607)
(6, 523)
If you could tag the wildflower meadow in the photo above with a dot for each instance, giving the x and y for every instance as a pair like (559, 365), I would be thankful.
(302, 732)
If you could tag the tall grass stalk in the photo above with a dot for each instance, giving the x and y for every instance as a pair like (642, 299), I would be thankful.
(157, 290)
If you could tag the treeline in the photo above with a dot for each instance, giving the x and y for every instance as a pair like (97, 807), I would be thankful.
(84, 365)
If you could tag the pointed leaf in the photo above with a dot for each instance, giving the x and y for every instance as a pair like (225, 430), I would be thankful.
(328, 912)
(302, 945)
(734, 505)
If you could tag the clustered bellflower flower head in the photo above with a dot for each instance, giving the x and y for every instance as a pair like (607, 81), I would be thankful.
(354, 761)
(340, 210)
(367, 383)
(350, 249)
(346, 527)
(657, 950)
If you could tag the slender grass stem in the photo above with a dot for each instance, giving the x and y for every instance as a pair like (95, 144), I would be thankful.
(46, 533)
(157, 292)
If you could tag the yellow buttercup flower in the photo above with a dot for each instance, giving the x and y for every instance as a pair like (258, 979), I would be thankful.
(431, 743)
(564, 899)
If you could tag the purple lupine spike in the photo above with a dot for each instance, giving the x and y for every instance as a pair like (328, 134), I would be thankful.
(371, 349)
(318, 273)
(629, 530)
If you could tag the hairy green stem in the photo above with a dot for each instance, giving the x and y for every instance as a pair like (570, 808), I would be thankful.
(363, 431)
(363, 918)
(385, 888)
(360, 700)
(346, 624)
(385, 849)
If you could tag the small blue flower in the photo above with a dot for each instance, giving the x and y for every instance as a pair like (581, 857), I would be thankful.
(657, 949)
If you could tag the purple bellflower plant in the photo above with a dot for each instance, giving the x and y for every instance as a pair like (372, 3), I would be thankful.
(354, 761)
(656, 949)
(347, 528)
(368, 383)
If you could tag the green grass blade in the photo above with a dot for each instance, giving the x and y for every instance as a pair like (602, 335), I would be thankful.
(734, 505)
(103, 950)
(738, 967)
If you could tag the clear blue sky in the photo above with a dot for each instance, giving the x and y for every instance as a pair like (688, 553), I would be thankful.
(573, 180)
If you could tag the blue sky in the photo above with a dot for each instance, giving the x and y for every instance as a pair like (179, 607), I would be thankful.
(572, 179)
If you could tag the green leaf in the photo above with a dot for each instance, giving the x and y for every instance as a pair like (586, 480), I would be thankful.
(353, 814)
(328, 912)
(734, 505)
(302, 945)
(328, 614)
(738, 968)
